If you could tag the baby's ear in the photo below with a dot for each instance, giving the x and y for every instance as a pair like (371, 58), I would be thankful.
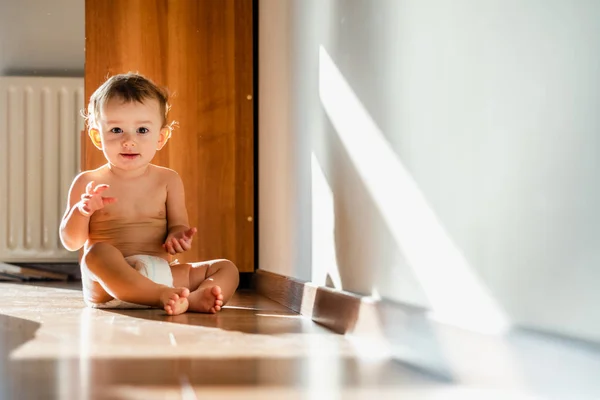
(165, 134)
(95, 136)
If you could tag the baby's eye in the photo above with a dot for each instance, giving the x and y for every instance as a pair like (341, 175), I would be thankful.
(116, 130)
(143, 130)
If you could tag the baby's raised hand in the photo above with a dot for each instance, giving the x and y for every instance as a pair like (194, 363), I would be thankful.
(92, 200)
(179, 242)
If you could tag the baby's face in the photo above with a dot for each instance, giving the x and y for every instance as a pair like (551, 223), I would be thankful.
(131, 132)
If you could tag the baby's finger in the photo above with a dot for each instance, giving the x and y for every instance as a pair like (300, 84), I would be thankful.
(169, 248)
(101, 188)
(177, 246)
(190, 233)
(185, 244)
(89, 189)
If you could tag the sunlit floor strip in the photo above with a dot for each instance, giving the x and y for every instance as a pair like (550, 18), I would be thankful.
(239, 308)
(187, 391)
(172, 339)
(281, 316)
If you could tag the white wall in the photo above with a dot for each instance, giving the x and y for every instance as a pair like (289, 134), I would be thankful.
(485, 115)
(45, 38)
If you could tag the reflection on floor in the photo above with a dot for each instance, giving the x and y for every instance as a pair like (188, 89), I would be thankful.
(53, 347)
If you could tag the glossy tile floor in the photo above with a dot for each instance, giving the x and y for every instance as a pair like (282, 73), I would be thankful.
(53, 347)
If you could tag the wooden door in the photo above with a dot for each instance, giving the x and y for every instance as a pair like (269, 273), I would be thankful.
(202, 51)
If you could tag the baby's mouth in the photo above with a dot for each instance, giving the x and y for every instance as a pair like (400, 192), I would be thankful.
(129, 156)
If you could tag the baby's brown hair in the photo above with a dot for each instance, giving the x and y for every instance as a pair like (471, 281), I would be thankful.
(128, 87)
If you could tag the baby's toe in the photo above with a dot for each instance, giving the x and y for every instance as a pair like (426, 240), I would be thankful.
(218, 302)
(217, 308)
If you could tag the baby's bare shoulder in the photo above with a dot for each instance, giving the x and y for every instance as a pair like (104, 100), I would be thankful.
(85, 177)
(165, 174)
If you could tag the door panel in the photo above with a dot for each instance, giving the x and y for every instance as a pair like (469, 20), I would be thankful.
(201, 50)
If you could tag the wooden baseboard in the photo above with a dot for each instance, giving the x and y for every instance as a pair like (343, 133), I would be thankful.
(334, 309)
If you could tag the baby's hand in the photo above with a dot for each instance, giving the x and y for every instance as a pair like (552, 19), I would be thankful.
(179, 242)
(92, 200)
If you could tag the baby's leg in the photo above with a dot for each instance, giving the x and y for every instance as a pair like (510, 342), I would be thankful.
(104, 264)
(212, 283)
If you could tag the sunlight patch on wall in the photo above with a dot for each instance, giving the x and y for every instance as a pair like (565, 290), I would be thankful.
(456, 295)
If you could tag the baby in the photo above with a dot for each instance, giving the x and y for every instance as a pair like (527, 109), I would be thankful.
(130, 215)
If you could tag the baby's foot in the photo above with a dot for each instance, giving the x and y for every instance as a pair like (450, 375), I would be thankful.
(207, 300)
(174, 300)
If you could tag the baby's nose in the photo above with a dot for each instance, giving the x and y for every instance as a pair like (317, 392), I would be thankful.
(128, 142)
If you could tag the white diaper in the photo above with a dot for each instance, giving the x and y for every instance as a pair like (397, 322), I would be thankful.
(154, 268)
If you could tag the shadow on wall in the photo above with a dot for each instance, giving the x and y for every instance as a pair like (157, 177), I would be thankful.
(365, 249)
(387, 236)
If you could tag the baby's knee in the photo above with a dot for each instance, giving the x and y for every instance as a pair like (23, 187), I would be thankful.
(230, 269)
(96, 253)
(96, 296)
(227, 265)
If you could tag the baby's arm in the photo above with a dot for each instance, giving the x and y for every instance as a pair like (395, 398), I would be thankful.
(84, 200)
(179, 235)
(74, 226)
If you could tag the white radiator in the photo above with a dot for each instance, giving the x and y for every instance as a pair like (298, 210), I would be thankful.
(40, 125)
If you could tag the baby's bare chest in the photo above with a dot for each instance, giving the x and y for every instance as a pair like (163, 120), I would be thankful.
(136, 202)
